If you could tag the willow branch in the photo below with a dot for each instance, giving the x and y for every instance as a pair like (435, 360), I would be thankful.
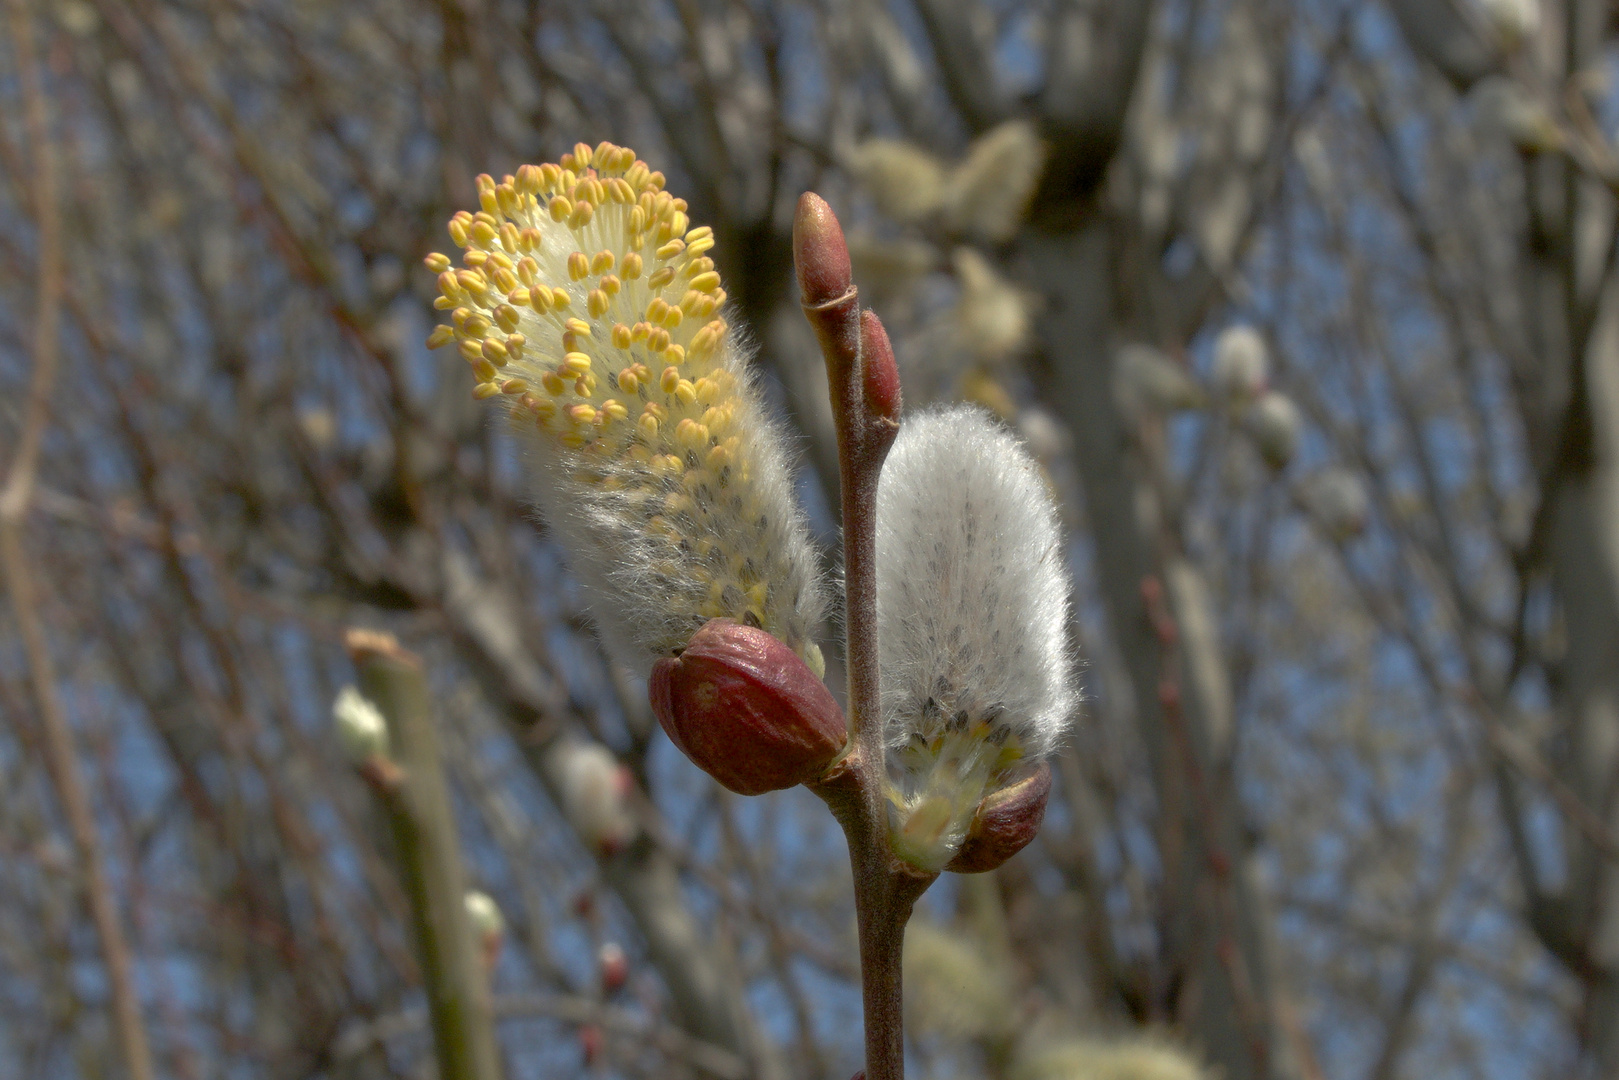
(61, 756)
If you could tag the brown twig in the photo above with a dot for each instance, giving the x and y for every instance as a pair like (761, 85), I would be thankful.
(15, 499)
(865, 408)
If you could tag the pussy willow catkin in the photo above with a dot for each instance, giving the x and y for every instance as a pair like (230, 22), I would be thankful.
(972, 616)
(587, 305)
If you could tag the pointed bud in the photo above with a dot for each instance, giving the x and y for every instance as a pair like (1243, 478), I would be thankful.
(747, 710)
(1005, 823)
(879, 372)
(820, 253)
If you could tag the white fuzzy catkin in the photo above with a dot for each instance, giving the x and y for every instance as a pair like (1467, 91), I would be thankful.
(588, 306)
(1241, 363)
(972, 622)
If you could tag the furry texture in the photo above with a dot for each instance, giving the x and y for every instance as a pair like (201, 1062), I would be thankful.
(589, 308)
(972, 611)
(1241, 363)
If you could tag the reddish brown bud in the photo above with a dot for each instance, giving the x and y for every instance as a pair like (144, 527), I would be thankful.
(591, 1041)
(879, 372)
(615, 966)
(819, 252)
(1005, 823)
(747, 710)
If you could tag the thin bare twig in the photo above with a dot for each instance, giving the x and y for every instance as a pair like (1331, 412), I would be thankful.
(61, 755)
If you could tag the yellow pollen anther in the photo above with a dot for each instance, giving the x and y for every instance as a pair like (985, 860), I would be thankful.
(582, 213)
(708, 391)
(528, 270)
(483, 234)
(437, 262)
(578, 326)
(509, 238)
(648, 425)
(685, 393)
(673, 317)
(483, 370)
(614, 410)
(575, 364)
(449, 284)
(513, 386)
(597, 303)
(636, 223)
(442, 335)
(483, 390)
(671, 249)
(578, 266)
(627, 381)
(554, 384)
(658, 340)
(494, 351)
(602, 262)
(639, 331)
(560, 208)
(518, 297)
(581, 414)
(476, 325)
(706, 282)
(470, 349)
(472, 281)
(560, 300)
(656, 310)
(620, 336)
(661, 278)
(611, 284)
(506, 317)
(675, 354)
(475, 258)
(669, 380)
(514, 345)
(718, 458)
(458, 232)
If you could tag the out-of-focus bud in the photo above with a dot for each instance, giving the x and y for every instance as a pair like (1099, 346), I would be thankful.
(488, 924)
(1504, 109)
(591, 1041)
(361, 729)
(614, 966)
(1005, 823)
(993, 313)
(986, 195)
(1145, 380)
(1090, 1058)
(1274, 424)
(747, 710)
(593, 786)
(1241, 364)
(889, 267)
(905, 181)
(1337, 498)
(1514, 20)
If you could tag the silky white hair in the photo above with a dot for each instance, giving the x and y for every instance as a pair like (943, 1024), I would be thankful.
(972, 612)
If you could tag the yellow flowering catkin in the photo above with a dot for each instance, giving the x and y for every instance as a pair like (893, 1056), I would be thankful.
(587, 305)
